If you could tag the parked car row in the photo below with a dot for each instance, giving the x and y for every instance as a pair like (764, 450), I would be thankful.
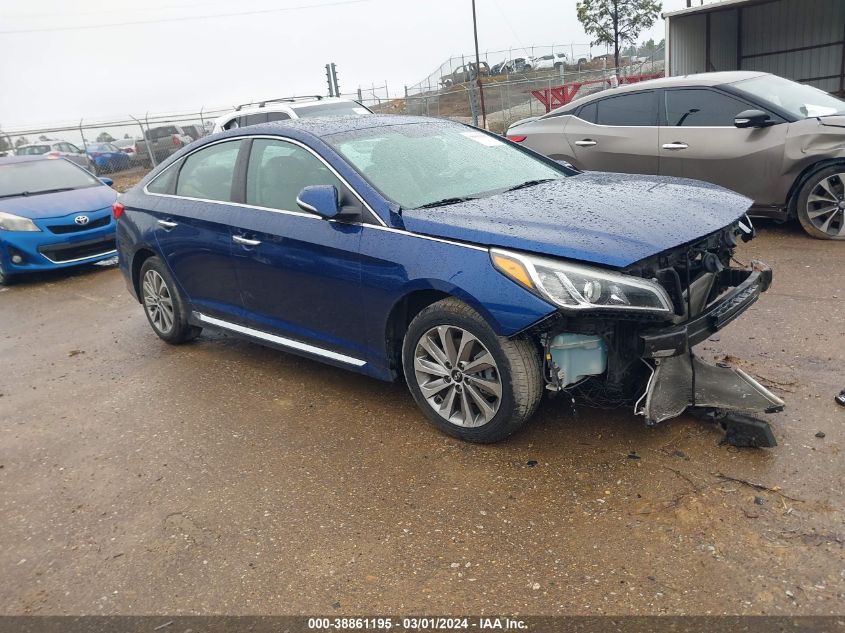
(774, 140)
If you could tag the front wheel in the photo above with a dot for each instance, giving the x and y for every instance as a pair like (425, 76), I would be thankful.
(468, 381)
(6, 279)
(821, 204)
(163, 304)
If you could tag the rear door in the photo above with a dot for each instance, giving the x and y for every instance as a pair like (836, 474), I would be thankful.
(617, 133)
(698, 140)
(193, 211)
(299, 274)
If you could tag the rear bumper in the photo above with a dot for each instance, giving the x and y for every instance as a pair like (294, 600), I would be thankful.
(676, 340)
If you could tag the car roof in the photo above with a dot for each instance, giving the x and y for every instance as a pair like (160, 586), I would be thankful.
(696, 80)
(25, 159)
(51, 141)
(326, 126)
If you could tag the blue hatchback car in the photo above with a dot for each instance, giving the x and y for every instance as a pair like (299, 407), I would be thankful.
(53, 214)
(481, 272)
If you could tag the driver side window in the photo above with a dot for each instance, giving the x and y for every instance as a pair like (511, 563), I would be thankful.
(279, 170)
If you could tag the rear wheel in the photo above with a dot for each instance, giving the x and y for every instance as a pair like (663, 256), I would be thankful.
(821, 204)
(163, 304)
(468, 381)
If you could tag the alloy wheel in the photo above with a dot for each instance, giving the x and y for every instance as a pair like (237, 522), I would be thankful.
(158, 301)
(457, 376)
(826, 205)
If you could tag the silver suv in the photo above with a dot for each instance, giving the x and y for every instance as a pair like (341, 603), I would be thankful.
(58, 149)
(287, 108)
(776, 141)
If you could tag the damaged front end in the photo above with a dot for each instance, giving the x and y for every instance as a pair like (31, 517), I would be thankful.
(614, 354)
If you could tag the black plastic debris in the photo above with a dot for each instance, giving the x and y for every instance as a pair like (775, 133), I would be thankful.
(840, 399)
(746, 432)
(820, 434)
(531, 463)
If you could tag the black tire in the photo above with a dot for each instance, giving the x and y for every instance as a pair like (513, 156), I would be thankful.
(176, 330)
(6, 279)
(517, 367)
(826, 226)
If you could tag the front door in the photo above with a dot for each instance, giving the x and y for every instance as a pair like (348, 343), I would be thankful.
(616, 134)
(299, 274)
(699, 140)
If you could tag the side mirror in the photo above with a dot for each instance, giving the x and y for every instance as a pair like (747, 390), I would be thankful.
(320, 199)
(108, 182)
(752, 118)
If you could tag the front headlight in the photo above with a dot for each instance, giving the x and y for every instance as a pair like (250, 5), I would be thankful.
(577, 287)
(9, 222)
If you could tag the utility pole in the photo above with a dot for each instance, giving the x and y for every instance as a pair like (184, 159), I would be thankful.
(478, 68)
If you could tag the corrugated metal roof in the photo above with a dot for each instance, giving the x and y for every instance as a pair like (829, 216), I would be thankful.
(714, 6)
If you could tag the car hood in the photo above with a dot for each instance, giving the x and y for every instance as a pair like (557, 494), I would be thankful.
(608, 219)
(51, 205)
(834, 120)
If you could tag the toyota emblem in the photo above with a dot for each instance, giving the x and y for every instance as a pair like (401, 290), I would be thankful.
(81, 220)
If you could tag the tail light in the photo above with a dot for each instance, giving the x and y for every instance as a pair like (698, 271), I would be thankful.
(52, 154)
(516, 138)
(176, 141)
(117, 209)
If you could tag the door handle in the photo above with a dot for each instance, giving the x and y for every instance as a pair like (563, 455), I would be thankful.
(244, 241)
(168, 225)
(587, 142)
(675, 146)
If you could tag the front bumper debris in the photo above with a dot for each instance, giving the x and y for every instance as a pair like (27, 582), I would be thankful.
(670, 390)
(748, 285)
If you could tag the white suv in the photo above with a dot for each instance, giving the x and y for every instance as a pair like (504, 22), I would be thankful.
(287, 108)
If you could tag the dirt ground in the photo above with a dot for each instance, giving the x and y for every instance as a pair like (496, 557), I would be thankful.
(223, 477)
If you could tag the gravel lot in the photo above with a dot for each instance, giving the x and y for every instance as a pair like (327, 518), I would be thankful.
(222, 477)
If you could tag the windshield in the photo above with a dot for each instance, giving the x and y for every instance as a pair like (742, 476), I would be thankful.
(800, 100)
(330, 109)
(32, 150)
(43, 175)
(422, 163)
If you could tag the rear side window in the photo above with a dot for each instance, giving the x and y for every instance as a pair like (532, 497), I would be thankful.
(637, 109)
(701, 108)
(277, 116)
(588, 112)
(208, 173)
(252, 119)
(165, 182)
(278, 171)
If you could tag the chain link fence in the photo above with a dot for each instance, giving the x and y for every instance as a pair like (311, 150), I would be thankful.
(133, 144)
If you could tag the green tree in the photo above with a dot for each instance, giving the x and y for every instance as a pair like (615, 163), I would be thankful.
(104, 137)
(43, 137)
(22, 140)
(617, 22)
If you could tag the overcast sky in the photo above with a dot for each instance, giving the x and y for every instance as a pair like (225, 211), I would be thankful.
(59, 62)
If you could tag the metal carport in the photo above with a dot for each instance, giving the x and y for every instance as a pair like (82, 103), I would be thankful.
(803, 40)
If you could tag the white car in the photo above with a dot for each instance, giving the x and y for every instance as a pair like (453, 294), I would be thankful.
(57, 149)
(287, 108)
(548, 62)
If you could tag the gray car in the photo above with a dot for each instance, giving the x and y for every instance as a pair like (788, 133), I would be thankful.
(779, 142)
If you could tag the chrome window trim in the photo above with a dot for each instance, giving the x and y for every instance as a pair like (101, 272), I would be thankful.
(305, 205)
(280, 340)
(282, 139)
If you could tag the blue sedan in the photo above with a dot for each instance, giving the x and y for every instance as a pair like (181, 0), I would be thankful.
(108, 158)
(480, 272)
(53, 214)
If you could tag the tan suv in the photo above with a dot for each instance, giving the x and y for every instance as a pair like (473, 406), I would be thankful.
(778, 142)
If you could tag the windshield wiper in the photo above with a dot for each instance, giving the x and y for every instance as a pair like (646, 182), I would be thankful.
(35, 193)
(445, 201)
(530, 183)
